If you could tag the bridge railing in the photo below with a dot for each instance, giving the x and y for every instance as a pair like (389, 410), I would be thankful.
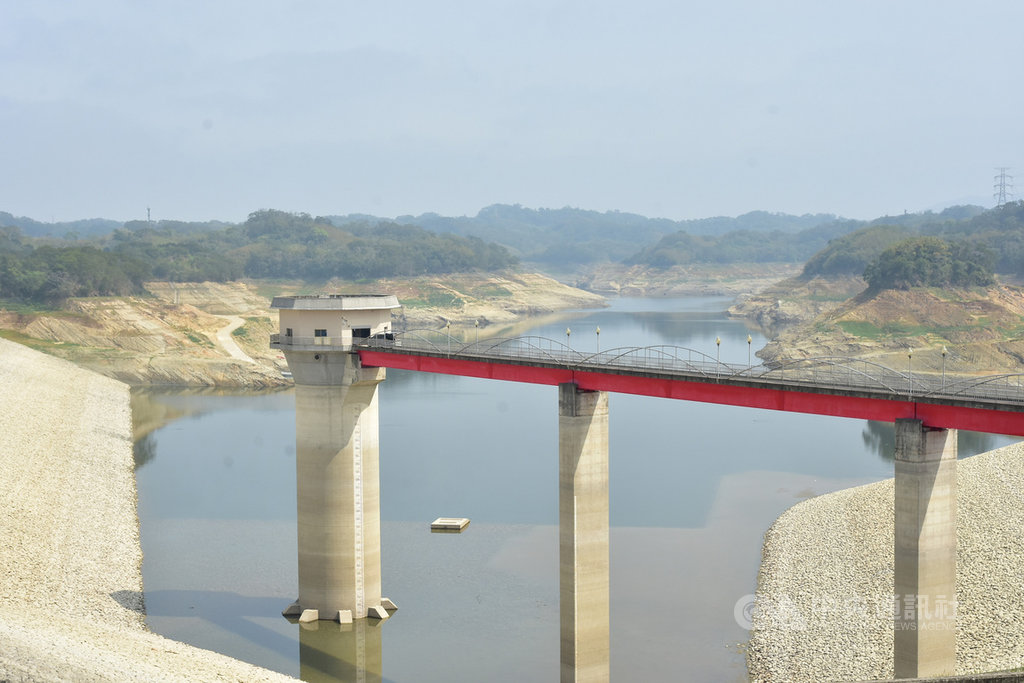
(278, 340)
(817, 372)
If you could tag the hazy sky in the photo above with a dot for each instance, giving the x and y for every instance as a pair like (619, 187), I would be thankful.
(212, 109)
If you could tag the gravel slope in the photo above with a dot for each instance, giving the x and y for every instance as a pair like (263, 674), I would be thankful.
(824, 609)
(70, 580)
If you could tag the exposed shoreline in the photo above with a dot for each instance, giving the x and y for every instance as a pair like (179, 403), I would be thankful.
(824, 596)
(71, 600)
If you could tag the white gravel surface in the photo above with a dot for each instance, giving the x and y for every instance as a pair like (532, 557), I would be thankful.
(824, 603)
(70, 579)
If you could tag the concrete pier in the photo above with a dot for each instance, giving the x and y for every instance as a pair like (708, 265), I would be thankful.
(924, 638)
(583, 533)
(338, 484)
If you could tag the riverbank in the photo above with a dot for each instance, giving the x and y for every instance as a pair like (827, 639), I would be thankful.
(199, 334)
(71, 601)
(824, 600)
(959, 331)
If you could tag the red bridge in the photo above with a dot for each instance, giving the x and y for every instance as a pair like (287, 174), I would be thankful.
(821, 386)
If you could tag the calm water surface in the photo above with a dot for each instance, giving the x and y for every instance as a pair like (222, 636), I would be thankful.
(693, 488)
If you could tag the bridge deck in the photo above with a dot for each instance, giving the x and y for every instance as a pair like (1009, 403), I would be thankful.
(832, 387)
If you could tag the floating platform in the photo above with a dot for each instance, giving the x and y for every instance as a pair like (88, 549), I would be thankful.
(455, 524)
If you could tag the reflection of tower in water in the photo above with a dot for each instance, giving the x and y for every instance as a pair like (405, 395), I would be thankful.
(330, 652)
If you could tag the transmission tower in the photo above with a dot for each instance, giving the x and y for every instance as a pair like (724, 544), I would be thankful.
(1003, 187)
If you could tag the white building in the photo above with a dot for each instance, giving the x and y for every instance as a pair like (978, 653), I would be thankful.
(332, 320)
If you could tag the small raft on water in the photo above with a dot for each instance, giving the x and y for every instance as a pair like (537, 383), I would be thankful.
(455, 524)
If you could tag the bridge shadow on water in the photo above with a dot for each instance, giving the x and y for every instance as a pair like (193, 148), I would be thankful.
(227, 610)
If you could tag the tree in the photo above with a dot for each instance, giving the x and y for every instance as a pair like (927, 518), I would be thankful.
(930, 262)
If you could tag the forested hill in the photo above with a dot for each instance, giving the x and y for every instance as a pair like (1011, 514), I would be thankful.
(270, 244)
(90, 227)
(569, 236)
(928, 252)
(814, 243)
(277, 244)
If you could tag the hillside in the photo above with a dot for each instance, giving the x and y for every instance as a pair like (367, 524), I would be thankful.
(218, 334)
(901, 287)
(572, 237)
(982, 330)
(796, 300)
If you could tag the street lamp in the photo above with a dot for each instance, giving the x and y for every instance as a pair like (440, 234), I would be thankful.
(944, 352)
(599, 339)
(910, 370)
(476, 324)
(448, 331)
(718, 355)
(749, 341)
(567, 333)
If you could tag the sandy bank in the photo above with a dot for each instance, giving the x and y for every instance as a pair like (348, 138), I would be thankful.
(70, 581)
(825, 587)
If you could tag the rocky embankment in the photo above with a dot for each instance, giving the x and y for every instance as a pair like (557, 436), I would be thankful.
(488, 299)
(981, 330)
(218, 334)
(824, 597)
(794, 301)
(168, 338)
(71, 601)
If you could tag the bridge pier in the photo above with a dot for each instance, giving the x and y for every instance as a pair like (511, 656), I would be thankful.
(583, 533)
(338, 484)
(924, 637)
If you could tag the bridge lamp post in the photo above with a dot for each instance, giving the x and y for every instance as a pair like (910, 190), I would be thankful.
(448, 331)
(568, 332)
(944, 352)
(910, 370)
(599, 339)
(718, 355)
(749, 341)
(476, 324)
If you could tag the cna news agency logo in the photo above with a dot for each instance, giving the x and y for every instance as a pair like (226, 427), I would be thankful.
(904, 612)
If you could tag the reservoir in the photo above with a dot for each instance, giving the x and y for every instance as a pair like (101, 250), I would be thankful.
(693, 488)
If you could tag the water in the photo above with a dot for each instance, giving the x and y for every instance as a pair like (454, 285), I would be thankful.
(693, 487)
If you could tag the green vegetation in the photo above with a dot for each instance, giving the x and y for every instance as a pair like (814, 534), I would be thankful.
(434, 297)
(976, 244)
(851, 254)
(73, 230)
(571, 237)
(860, 328)
(48, 273)
(930, 262)
(196, 339)
(893, 329)
(490, 292)
(270, 244)
(38, 344)
(740, 246)
(44, 269)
